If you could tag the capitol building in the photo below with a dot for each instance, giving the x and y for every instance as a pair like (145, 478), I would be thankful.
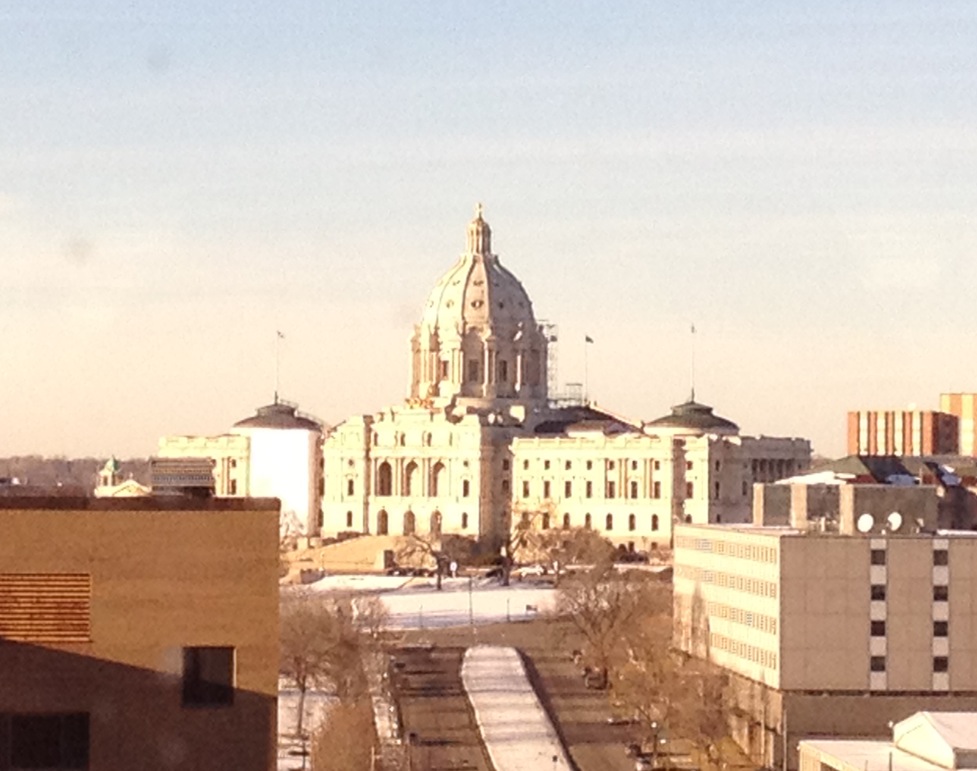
(478, 444)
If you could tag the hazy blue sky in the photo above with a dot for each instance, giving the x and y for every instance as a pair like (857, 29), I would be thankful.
(798, 179)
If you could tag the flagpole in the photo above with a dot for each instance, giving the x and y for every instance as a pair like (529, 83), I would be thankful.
(278, 361)
(693, 361)
(586, 381)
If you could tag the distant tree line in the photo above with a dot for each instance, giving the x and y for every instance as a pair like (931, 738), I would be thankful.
(60, 471)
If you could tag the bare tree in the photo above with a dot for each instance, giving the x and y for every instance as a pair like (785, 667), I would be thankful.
(601, 603)
(319, 647)
(346, 739)
(439, 549)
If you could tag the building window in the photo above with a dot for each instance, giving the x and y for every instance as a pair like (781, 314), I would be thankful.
(546, 522)
(473, 370)
(610, 465)
(878, 591)
(656, 490)
(587, 521)
(568, 465)
(590, 465)
(878, 556)
(546, 489)
(941, 557)
(567, 489)
(350, 486)
(208, 676)
(634, 465)
(941, 593)
(746, 488)
(941, 629)
(689, 489)
(688, 465)
(437, 473)
(632, 523)
(877, 664)
(466, 488)
(525, 489)
(505, 486)
(445, 370)
(505, 465)
(546, 465)
(503, 371)
(610, 490)
(384, 479)
(634, 490)
(657, 465)
(566, 521)
(878, 629)
(609, 522)
(525, 465)
(52, 741)
(590, 490)
(654, 521)
(232, 487)
(349, 519)
(941, 664)
(715, 490)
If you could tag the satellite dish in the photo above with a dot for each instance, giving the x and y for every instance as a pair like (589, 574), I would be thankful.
(895, 521)
(865, 523)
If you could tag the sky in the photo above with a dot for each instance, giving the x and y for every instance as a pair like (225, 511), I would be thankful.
(179, 182)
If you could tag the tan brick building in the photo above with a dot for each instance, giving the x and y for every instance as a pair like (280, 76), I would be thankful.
(829, 633)
(138, 633)
(903, 432)
(964, 408)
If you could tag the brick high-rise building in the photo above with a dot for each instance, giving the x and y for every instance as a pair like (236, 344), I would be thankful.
(905, 432)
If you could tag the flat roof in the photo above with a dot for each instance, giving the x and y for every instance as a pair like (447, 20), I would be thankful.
(867, 755)
(136, 503)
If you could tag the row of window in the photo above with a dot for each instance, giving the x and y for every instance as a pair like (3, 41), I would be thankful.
(747, 551)
(940, 593)
(748, 618)
(610, 489)
(744, 650)
(940, 664)
(610, 465)
(747, 584)
(940, 629)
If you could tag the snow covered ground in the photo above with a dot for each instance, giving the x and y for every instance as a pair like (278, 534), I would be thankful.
(516, 730)
(316, 706)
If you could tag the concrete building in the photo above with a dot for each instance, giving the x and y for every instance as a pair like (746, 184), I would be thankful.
(903, 432)
(138, 633)
(963, 406)
(831, 633)
(275, 453)
(478, 441)
(925, 741)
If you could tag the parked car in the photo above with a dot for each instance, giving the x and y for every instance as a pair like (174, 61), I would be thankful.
(643, 764)
(529, 570)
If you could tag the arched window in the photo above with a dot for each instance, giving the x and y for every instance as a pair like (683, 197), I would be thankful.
(436, 523)
(464, 520)
(437, 480)
(383, 523)
(410, 524)
(546, 521)
(384, 479)
(609, 522)
(631, 522)
(349, 519)
(410, 480)
(654, 521)
(587, 521)
(566, 521)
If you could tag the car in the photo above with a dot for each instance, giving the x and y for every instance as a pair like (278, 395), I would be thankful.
(643, 764)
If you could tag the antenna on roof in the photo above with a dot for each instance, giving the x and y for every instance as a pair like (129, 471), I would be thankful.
(278, 361)
(693, 363)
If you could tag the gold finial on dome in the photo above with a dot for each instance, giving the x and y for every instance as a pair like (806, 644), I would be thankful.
(479, 234)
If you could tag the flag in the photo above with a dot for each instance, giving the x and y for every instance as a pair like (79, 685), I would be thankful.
(588, 339)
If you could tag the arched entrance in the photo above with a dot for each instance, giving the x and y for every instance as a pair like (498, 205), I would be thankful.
(384, 479)
(383, 523)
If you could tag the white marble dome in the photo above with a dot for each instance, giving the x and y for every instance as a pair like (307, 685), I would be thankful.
(478, 291)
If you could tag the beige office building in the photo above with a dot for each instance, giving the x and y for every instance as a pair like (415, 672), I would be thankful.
(829, 633)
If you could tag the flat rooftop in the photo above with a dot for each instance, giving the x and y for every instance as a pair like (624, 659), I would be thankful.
(136, 503)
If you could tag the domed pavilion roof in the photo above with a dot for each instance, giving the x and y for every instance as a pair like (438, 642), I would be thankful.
(279, 415)
(693, 416)
(478, 291)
